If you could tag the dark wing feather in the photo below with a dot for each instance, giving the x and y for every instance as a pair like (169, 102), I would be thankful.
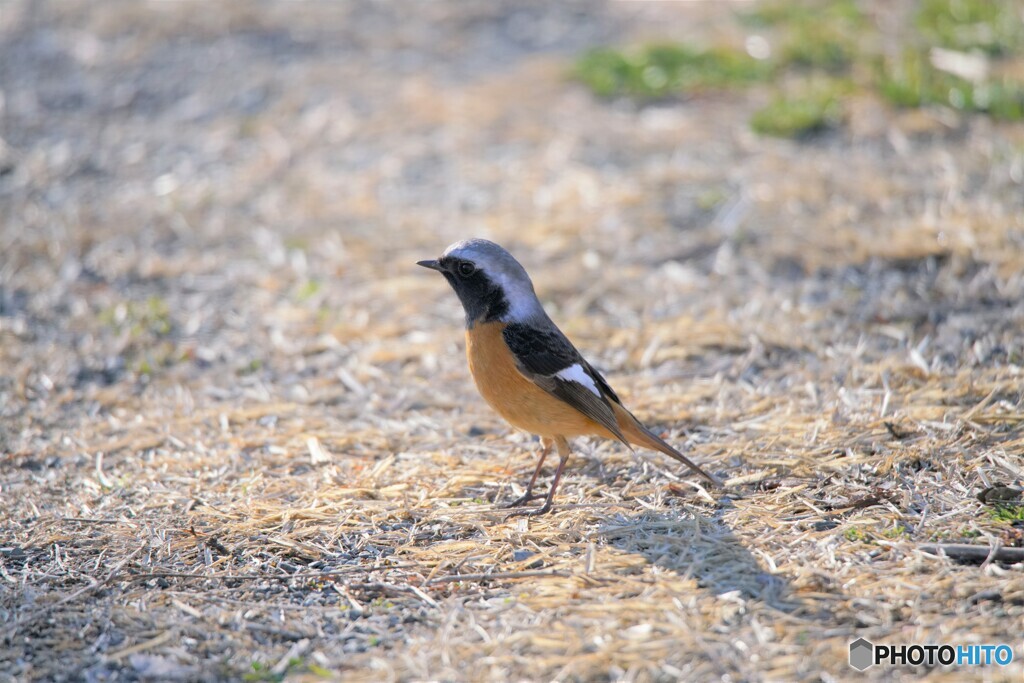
(541, 354)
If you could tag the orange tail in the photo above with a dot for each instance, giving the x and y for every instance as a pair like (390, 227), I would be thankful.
(639, 435)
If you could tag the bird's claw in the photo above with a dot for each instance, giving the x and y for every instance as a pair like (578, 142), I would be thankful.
(524, 499)
(536, 512)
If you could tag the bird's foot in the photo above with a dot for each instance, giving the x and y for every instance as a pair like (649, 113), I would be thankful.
(535, 512)
(524, 499)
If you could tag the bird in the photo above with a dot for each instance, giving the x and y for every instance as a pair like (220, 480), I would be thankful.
(528, 371)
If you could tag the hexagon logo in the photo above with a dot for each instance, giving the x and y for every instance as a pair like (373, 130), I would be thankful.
(862, 654)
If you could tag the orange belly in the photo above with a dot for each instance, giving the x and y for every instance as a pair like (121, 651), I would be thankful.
(521, 402)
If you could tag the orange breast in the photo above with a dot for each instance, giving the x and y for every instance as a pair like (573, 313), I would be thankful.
(521, 402)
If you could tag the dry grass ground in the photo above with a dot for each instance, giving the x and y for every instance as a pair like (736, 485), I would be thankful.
(238, 437)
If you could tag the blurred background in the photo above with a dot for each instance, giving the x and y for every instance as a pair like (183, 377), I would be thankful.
(187, 185)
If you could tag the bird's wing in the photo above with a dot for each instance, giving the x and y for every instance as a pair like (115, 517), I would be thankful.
(549, 360)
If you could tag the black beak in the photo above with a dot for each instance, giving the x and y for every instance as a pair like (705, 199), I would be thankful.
(433, 265)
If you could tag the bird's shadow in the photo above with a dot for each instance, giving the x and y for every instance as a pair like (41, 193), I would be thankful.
(705, 549)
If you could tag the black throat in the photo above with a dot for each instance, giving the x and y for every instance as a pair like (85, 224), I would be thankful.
(482, 299)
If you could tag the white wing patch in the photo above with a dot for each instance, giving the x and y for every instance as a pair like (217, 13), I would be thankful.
(576, 373)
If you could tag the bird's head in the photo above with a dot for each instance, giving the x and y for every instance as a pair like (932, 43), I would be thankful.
(490, 283)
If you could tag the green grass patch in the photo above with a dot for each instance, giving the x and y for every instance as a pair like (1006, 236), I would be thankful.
(1008, 513)
(819, 46)
(151, 316)
(307, 290)
(896, 532)
(995, 27)
(801, 114)
(261, 673)
(834, 39)
(250, 368)
(663, 70)
(910, 80)
(144, 329)
(774, 13)
(818, 34)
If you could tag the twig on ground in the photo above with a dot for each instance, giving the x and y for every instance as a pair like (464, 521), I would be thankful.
(497, 575)
(965, 552)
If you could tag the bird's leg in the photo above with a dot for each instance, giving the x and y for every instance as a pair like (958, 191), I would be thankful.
(545, 444)
(563, 457)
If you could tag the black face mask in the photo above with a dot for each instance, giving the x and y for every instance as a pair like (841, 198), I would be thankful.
(482, 299)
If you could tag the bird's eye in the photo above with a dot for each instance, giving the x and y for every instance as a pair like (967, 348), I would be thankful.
(466, 269)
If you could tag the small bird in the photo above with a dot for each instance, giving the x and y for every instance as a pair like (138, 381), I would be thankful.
(527, 370)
